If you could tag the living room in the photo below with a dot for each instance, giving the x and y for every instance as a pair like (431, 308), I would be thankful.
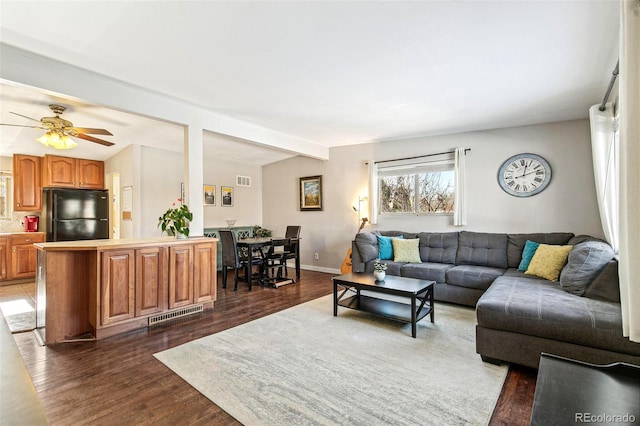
(156, 174)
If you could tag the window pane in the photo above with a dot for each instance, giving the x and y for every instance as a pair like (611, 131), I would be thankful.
(437, 192)
(5, 186)
(397, 194)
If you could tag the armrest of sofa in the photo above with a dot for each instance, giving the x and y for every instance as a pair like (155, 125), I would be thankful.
(357, 265)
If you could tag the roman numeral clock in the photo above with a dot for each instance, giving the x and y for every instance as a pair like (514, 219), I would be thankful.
(524, 175)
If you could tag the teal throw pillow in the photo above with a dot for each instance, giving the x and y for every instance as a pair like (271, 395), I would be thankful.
(530, 248)
(385, 248)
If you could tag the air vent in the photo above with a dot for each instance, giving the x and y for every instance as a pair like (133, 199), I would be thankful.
(243, 181)
(168, 316)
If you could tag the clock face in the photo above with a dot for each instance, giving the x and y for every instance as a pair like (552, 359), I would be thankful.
(524, 175)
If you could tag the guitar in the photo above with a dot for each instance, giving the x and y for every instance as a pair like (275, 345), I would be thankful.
(346, 263)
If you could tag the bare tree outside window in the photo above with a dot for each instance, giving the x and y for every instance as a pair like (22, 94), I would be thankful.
(418, 192)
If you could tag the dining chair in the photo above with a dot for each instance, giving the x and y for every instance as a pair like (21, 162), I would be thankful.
(292, 249)
(274, 260)
(233, 259)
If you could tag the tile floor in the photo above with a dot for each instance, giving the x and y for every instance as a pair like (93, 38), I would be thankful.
(17, 305)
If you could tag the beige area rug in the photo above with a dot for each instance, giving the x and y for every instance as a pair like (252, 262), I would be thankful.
(303, 366)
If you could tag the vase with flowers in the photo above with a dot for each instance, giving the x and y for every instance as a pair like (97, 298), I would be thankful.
(379, 270)
(175, 221)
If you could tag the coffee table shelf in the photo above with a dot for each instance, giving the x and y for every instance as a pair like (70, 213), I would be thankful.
(419, 293)
(384, 308)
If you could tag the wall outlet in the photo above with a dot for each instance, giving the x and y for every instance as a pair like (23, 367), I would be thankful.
(316, 256)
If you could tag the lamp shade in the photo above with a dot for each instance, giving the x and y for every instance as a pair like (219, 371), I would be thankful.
(56, 141)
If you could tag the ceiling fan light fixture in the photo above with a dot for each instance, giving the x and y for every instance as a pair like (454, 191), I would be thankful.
(57, 141)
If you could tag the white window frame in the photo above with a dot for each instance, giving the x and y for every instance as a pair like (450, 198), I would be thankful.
(6, 189)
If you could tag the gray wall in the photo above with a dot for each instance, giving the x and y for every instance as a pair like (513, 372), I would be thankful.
(568, 203)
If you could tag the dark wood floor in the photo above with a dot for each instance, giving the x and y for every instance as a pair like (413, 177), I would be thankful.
(118, 381)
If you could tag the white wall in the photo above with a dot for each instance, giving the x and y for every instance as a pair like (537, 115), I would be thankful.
(156, 175)
(568, 203)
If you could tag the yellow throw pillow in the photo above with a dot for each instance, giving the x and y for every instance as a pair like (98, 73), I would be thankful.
(549, 261)
(406, 250)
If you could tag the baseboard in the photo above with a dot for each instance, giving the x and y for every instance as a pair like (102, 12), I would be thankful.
(321, 269)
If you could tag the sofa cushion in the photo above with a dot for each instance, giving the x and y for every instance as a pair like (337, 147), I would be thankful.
(548, 261)
(473, 276)
(367, 245)
(529, 250)
(385, 248)
(586, 261)
(606, 286)
(483, 249)
(438, 247)
(517, 241)
(541, 308)
(426, 271)
(406, 250)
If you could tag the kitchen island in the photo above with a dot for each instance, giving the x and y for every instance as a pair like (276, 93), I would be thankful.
(92, 289)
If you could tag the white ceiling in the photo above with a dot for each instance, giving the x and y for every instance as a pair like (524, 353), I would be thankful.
(334, 73)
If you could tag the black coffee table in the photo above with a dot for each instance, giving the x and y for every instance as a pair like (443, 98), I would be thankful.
(416, 290)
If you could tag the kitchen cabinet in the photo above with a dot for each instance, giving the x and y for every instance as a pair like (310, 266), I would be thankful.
(58, 172)
(204, 263)
(18, 255)
(27, 183)
(117, 286)
(150, 280)
(89, 174)
(180, 276)
(107, 287)
(4, 252)
(67, 172)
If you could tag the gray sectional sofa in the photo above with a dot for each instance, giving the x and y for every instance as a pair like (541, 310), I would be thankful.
(519, 316)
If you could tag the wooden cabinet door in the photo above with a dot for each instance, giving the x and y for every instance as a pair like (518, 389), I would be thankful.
(23, 255)
(204, 273)
(59, 172)
(90, 174)
(150, 280)
(117, 286)
(4, 252)
(180, 276)
(27, 183)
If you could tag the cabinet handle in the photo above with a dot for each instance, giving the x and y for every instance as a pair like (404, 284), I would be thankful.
(18, 204)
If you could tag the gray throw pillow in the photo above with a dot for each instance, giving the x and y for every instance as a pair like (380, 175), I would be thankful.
(585, 262)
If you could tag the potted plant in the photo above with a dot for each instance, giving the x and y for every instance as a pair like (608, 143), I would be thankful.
(175, 221)
(379, 270)
(260, 232)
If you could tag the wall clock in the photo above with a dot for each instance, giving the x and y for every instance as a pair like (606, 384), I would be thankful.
(524, 175)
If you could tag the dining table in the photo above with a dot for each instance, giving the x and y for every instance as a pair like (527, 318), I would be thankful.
(252, 244)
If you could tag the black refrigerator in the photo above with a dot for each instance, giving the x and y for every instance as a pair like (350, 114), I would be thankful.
(76, 214)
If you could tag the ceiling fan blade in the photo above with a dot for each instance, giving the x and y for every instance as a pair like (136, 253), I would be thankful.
(92, 139)
(15, 113)
(21, 125)
(92, 131)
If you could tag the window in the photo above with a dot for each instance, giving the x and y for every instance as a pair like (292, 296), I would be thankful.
(5, 195)
(424, 188)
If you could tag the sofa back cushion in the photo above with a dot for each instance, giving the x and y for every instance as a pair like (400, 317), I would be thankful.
(484, 249)
(438, 247)
(516, 244)
(586, 261)
(367, 245)
(606, 286)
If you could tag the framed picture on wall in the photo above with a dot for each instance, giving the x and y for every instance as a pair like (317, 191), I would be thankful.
(209, 195)
(227, 196)
(311, 193)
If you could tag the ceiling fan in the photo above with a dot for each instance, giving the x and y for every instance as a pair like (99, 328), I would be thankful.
(58, 130)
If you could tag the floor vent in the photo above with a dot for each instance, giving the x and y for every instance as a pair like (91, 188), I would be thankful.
(168, 316)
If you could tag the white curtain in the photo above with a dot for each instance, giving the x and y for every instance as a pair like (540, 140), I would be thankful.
(373, 193)
(460, 206)
(604, 148)
(629, 168)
